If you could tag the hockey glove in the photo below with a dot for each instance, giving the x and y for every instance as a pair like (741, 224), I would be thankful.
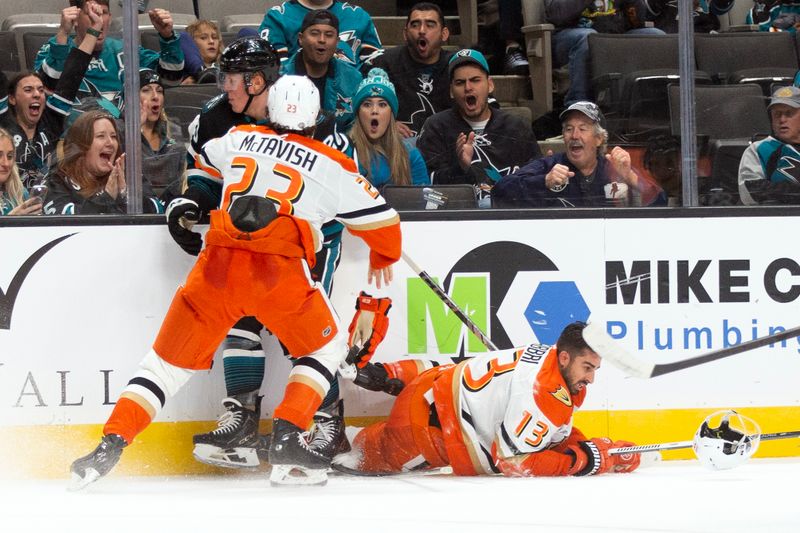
(591, 457)
(626, 462)
(369, 326)
(182, 213)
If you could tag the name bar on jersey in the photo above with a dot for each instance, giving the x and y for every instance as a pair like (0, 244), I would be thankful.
(290, 152)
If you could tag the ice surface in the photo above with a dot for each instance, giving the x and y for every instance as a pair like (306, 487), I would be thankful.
(673, 496)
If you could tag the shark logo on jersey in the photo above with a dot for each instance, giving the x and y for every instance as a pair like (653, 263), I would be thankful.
(562, 396)
(343, 105)
(418, 117)
(9, 298)
(425, 84)
(789, 167)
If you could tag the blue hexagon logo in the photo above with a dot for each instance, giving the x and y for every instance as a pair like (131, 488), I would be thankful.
(553, 305)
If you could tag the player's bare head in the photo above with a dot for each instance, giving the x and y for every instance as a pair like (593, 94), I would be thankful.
(576, 360)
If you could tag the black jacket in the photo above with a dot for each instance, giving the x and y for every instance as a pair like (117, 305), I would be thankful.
(64, 198)
(506, 143)
(422, 90)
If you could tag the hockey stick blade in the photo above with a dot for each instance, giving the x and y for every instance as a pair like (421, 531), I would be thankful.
(603, 345)
(437, 289)
(612, 350)
(688, 444)
(342, 469)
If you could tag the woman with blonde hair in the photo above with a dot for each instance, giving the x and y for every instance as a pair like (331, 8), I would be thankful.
(383, 156)
(14, 198)
(91, 171)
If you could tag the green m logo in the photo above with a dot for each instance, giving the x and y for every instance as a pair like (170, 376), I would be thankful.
(428, 314)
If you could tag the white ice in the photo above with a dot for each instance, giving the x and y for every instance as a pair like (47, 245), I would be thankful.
(672, 496)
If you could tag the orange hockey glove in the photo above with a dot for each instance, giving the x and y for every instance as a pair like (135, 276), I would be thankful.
(626, 462)
(591, 457)
(369, 326)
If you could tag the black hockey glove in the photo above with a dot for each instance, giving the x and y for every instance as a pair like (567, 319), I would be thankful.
(182, 213)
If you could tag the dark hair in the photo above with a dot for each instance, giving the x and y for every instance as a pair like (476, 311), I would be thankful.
(12, 84)
(80, 3)
(660, 146)
(427, 6)
(571, 339)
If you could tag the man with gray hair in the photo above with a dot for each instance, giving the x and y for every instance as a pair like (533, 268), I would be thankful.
(769, 171)
(582, 176)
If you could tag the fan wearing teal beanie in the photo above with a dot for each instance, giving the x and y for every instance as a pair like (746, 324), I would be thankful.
(383, 156)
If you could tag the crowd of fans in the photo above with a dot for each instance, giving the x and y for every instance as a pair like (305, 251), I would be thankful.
(417, 114)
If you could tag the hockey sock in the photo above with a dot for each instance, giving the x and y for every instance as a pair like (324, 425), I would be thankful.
(243, 361)
(127, 420)
(332, 397)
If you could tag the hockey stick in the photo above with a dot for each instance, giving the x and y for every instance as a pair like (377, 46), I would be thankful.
(608, 348)
(688, 444)
(430, 282)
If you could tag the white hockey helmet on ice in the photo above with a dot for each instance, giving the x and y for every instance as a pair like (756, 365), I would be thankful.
(725, 440)
(293, 103)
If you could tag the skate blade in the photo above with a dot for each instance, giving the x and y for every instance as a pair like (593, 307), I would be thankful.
(227, 457)
(79, 483)
(294, 475)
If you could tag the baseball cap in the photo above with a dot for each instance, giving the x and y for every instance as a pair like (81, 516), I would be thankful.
(786, 95)
(319, 16)
(464, 56)
(590, 109)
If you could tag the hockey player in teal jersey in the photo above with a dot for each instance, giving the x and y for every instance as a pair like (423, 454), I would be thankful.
(357, 34)
(103, 75)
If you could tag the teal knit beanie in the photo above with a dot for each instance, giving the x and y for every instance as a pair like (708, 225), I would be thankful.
(376, 84)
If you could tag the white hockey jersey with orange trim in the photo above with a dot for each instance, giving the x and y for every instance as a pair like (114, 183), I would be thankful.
(515, 399)
(304, 178)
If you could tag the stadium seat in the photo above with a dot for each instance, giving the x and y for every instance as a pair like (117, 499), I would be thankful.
(377, 8)
(31, 43)
(10, 8)
(725, 155)
(184, 102)
(9, 57)
(630, 74)
(417, 197)
(748, 57)
(179, 22)
(723, 111)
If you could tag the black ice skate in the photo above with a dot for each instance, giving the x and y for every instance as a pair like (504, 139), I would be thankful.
(97, 464)
(293, 461)
(327, 436)
(233, 443)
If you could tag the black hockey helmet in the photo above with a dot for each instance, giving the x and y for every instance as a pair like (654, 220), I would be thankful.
(251, 54)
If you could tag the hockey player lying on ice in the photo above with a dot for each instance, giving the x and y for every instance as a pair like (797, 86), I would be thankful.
(508, 412)
(248, 235)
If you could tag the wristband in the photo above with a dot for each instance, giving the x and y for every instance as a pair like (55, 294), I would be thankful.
(93, 32)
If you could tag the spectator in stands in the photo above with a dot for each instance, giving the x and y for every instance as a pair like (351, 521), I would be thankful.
(91, 171)
(201, 45)
(383, 156)
(357, 38)
(583, 176)
(664, 14)
(103, 76)
(335, 79)
(14, 198)
(472, 142)
(575, 20)
(163, 157)
(419, 69)
(35, 120)
(662, 159)
(768, 170)
(774, 15)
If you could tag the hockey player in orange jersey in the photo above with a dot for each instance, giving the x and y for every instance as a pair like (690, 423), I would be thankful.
(266, 174)
(508, 411)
